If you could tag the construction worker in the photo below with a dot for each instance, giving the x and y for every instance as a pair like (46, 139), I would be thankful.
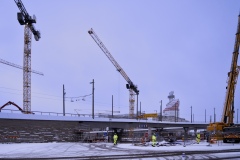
(115, 137)
(154, 140)
(198, 138)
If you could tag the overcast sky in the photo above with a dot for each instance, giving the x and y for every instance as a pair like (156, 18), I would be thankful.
(182, 46)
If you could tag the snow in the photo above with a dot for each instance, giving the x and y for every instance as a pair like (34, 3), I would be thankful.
(188, 146)
(47, 150)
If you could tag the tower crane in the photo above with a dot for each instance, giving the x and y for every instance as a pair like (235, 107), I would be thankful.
(228, 108)
(130, 85)
(25, 19)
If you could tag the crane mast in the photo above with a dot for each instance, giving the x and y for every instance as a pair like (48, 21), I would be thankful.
(131, 86)
(228, 109)
(25, 19)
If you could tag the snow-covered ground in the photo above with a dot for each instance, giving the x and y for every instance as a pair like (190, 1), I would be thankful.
(48, 150)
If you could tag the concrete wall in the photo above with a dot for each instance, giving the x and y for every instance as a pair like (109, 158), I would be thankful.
(14, 130)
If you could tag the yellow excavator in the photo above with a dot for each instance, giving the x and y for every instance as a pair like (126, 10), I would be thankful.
(216, 129)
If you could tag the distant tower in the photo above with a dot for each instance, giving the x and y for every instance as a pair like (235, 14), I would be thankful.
(172, 107)
(171, 96)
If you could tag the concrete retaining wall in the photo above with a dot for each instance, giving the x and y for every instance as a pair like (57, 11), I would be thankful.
(14, 130)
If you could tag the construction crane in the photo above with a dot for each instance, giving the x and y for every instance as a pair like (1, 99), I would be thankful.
(130, 85)
(19, 67)
(25, 19)
(228, 109)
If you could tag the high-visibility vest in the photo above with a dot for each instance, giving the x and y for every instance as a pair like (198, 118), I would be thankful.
(153, 138)
(198, 137)
(115, 137)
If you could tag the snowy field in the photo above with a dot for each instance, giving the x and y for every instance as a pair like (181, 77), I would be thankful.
(59, 150)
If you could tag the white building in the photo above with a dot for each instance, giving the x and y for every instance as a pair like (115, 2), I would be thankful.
(172, 107)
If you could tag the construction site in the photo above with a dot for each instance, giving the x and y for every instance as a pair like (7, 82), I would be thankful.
(81, 97)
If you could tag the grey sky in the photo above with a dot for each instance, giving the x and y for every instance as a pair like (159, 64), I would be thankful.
(182, 46)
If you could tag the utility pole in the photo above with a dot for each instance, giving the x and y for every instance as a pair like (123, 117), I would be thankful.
(112, 106)
(64, 93)
(214, 116)
(205, 116)
(175, 112)
(137, 108)
(237, 116)
(140, 109)
(92, 98)
(161, 111)
(191, 114)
